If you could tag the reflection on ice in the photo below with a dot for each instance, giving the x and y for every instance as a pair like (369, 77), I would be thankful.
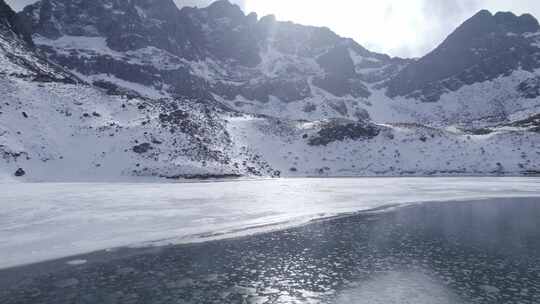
(399, 288)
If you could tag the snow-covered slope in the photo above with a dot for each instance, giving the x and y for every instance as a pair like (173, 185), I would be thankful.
(344, 148)
(213, 92)
(55, 127)
(71, 132)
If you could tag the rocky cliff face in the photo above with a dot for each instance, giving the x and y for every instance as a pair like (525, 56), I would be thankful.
(10, 21)
(199, 53)
(483, 48)
(18, 58)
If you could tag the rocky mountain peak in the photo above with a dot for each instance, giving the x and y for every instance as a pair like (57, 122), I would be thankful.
(220, 53)
(484, 22)
(484, 47)
(199, 53)
(11, 21)
(157, 9)
(224, 8)
(6, 13)
(508, 21)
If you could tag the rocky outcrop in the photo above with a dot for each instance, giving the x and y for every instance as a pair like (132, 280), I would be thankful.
(530, 88)
(531, 123)
(336, 130)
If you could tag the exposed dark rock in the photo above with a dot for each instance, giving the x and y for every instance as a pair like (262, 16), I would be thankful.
(532, 123)
(341, 78)
(309, 107)
(142, 148)
(531, 173)
(530, 88)
(362, 115)
(204, 176)
(220, 34)
(338, 131)
(20, 172)
(10, 19)
(8, 155)
(340, 107)
(342, 86)
(337, 61)
(286, 90)
(17, 32)
(175, 117)
(477, 131)
(113, 89)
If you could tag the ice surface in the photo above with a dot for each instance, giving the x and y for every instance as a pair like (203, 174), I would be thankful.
(46, 221)
(399, 288)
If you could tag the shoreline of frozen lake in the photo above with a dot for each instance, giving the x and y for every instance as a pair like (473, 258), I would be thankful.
(45, 221)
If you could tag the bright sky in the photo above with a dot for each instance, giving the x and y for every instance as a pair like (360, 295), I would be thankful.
(406, 28)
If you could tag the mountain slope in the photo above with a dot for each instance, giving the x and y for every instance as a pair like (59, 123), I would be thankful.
(212, 92)
(55, 127)
(263, 66)
(214, 53)
(483, 48)
(10, 21)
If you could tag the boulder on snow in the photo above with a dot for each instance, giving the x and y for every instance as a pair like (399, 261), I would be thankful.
(20, 172)
(142, 148)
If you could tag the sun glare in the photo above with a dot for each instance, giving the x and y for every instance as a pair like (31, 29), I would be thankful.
(397, 27)
(380, 25)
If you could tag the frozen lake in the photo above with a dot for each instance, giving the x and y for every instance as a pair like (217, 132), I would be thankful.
(40, 222)
(481, 252)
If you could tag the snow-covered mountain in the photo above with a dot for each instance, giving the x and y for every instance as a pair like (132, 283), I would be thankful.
(54, 126)
(484, 48)
(111, 89)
